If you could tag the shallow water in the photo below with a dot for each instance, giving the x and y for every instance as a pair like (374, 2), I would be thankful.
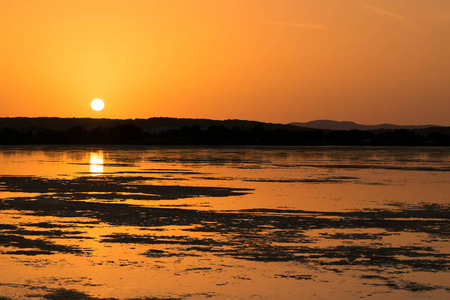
(226, 223)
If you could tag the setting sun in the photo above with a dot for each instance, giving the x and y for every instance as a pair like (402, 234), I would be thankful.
(97, 104)
(305, 60)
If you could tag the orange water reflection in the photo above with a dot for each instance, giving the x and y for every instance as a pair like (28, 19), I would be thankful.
(153, 227)
(96, 163)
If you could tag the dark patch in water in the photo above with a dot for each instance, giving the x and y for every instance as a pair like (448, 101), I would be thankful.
(65, 294)
(48, 225)
(155, 253)
(7, 227)
(49, 233)
(296, 277)
(17, 241)
(151, 240)
(62, 294)
(376, 167)
(403, 284)
(111, 187)
(29, 252)
(354, 236)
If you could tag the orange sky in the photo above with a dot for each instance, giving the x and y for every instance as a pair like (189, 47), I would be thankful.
(368, 61)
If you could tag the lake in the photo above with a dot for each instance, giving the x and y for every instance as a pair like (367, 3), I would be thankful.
(224, 222)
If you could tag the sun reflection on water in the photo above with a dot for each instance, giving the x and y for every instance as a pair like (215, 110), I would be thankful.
(96, 163)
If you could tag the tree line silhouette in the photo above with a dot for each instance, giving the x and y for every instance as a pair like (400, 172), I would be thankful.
(223, 135)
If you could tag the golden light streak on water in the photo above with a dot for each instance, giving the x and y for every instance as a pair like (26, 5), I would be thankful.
(96, 163)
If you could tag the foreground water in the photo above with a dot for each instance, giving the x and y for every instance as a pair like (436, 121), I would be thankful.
(224, 223)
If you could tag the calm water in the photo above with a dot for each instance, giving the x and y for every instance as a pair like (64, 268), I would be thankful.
(226, 223)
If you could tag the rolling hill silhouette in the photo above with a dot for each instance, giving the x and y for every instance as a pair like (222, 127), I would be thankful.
(151, 124)
(347, 125)
(173, 131)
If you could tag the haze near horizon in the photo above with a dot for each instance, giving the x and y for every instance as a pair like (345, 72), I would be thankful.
(371, 62)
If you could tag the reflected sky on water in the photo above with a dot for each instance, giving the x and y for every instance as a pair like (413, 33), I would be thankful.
(221, 223)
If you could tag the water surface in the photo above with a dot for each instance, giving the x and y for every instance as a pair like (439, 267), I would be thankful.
(226, 223)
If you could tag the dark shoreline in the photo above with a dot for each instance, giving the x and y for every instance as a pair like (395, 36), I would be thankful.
(222, 136)
(203, 132)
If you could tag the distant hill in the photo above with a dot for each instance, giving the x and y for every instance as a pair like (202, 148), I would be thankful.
(161, 124)
(345, 125)
(172, 131)
(149, 125)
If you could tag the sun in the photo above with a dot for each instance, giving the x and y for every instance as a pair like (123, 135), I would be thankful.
(97, 104)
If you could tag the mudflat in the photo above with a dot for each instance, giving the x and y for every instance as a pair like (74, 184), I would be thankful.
(221, 223)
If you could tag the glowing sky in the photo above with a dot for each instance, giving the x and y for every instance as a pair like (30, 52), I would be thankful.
(368, 61)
